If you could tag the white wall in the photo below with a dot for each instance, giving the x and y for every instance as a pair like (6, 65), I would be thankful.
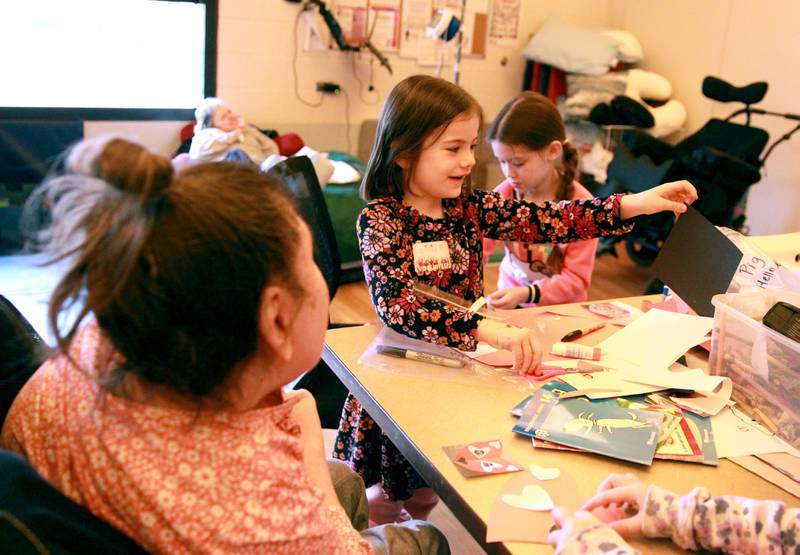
(255, 69)
(159, 136)
(684, 40)
(255, 77)
(741, 41)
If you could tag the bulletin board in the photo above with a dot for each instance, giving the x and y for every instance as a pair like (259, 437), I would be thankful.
(398, 26)
(378, 20)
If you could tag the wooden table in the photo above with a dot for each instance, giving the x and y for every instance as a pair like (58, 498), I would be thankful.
(421, 415)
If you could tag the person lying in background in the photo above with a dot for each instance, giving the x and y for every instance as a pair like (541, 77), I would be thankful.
(626, 508)
(222, 134)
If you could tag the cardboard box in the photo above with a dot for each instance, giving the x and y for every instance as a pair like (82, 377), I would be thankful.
(763, 364)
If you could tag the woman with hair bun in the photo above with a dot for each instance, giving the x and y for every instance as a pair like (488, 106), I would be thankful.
(163, 412)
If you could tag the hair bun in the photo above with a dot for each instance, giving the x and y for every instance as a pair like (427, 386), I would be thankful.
(123, 164)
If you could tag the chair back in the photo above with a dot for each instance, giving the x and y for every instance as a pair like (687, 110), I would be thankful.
(36, 518)
(21, 352)
(298, 175)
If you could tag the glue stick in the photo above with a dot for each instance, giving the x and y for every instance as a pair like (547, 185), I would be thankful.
(574, 350)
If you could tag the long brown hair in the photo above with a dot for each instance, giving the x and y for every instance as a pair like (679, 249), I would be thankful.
(533, 121)
(416, 108)
(172, 265)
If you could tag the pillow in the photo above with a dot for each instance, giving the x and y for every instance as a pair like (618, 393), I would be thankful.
(629, 50)
(572, 48)
(584, 92)
(646, 84)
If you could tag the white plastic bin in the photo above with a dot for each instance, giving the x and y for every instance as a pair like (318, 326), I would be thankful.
(763, 364)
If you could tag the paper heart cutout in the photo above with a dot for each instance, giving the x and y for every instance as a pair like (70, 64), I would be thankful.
(477, 451)
(509, 524)
(533, 498)
(542, 473)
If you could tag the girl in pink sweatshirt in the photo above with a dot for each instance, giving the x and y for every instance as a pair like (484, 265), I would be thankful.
(540, 164)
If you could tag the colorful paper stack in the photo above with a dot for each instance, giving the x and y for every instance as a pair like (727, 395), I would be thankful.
(636, 428)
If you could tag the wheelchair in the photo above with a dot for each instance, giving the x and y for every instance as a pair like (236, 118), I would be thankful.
(723, 160)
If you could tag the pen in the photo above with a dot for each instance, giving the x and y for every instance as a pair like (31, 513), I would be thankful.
(580, 332)
(421, 357)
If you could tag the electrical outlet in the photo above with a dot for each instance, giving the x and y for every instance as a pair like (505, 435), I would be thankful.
(326, 87)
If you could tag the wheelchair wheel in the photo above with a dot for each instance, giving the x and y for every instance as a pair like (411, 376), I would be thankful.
(640, 251)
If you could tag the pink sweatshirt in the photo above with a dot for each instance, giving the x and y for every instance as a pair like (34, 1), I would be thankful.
(175, 481)
(570, 280)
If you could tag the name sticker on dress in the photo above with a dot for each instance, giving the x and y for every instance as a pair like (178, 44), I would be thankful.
(431, 257)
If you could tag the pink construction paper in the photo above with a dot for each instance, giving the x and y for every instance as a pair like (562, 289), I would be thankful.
(552, 328)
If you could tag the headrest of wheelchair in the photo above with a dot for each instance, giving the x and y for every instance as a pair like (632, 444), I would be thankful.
(717, 89)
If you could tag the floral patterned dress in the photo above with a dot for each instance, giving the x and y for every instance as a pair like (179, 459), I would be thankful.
(387, 231)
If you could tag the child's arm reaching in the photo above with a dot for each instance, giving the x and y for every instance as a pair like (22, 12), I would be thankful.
(566, 221)
(697, 521)
(550, 222)
(675, 197)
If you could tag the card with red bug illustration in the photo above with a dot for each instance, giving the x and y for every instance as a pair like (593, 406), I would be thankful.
(480, 458)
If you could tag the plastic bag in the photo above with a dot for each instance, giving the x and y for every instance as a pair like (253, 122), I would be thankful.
(397, 354)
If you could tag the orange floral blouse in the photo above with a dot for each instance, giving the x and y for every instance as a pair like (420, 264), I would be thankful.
(174, 481)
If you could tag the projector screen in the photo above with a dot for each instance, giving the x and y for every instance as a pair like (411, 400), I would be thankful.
(132, 54)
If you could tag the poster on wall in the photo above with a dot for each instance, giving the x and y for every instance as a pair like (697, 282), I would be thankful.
(476, 21)
(352, 18)
(413, 21)
(504, 21)
(383, 24)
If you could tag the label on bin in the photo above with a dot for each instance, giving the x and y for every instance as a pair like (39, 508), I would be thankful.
(758, 271)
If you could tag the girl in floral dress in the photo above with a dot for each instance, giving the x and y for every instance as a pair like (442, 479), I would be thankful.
(425, 223)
